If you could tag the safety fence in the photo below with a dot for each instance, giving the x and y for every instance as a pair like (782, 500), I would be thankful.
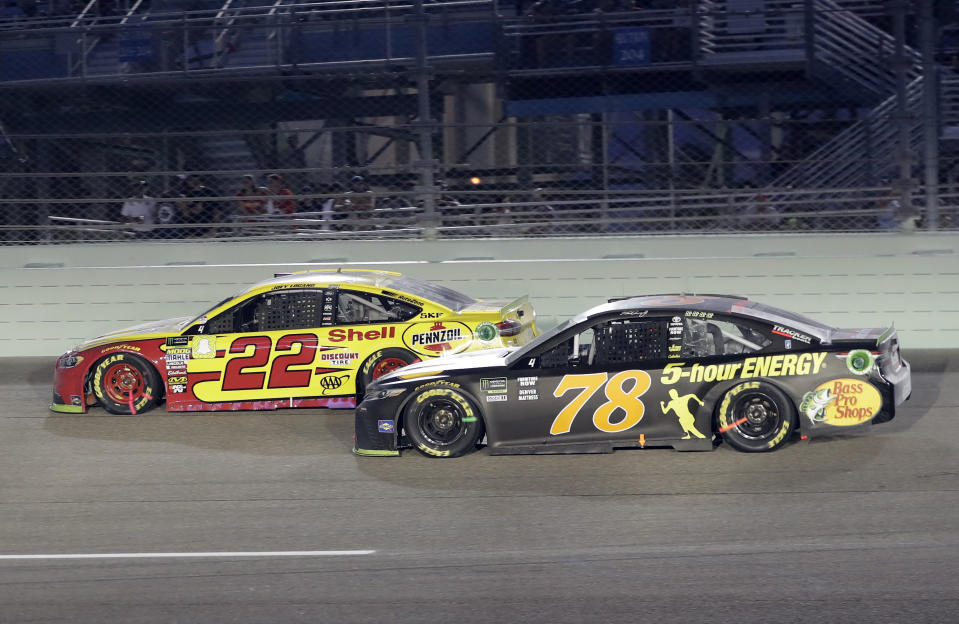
(369, 119)
(368, 215)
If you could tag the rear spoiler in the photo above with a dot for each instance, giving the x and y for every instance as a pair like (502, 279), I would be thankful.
(880, 335)
(520, 305)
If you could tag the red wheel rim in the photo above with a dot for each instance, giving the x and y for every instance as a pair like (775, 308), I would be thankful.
(387, 365)
(121, 380)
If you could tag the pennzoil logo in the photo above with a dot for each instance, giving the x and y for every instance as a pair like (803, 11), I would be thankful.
(438, 338)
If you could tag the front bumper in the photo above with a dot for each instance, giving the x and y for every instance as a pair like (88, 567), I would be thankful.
(59, 405)
(68, 391)
(376, 427)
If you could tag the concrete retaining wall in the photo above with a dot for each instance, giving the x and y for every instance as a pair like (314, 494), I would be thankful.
(52, 297)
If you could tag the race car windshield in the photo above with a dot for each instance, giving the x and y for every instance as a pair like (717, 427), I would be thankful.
(212, 308)
(542, 338)
(434, 292)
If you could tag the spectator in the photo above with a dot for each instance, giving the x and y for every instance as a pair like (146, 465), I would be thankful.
(308, 204)
(892, 215)
(252, 202)
(394, 210)
(359, 202)
(140, 210)
(277, 190)
(538, 216)
(759, 213)
(393, 200)
(193, 209)
(332, 207)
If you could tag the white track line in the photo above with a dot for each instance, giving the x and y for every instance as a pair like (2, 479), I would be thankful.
(196, 555)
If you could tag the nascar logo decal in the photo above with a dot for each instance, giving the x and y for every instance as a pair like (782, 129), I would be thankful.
(438, 338)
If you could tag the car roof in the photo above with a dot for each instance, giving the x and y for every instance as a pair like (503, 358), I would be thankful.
(367, 277)
(681, 302)
(434, 293)
(719, 304)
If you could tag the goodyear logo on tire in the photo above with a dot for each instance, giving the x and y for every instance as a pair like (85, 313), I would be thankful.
(438, 337)
(842, 402)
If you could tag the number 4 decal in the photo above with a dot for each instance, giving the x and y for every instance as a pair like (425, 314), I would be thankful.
(618, 399)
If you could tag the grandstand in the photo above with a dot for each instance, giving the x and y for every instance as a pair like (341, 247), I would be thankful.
(479, 118)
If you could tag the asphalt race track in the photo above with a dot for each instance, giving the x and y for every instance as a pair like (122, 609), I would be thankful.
(858, 528)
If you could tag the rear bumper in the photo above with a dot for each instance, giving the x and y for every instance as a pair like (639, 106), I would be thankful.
(901, 382)
(899, 391)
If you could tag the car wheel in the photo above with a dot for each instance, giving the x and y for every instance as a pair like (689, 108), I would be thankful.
(126, 384)
(442, 421)
(380, 363)
(755, 417)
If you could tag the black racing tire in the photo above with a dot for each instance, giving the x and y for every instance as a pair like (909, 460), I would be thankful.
(124, 379)
(756, 417)
(442, 421)
(380, 363)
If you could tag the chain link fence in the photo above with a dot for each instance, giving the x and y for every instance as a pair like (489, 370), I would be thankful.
(137, 120)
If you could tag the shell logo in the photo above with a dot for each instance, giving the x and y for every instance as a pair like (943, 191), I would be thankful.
(848, 402)
(438, 337)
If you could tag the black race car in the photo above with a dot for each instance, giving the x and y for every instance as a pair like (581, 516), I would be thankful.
(663, 370)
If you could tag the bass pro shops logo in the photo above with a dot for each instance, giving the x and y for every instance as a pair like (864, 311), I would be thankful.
(842, 402)
(438, 338)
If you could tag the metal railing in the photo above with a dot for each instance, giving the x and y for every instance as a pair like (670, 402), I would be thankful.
(567, 214)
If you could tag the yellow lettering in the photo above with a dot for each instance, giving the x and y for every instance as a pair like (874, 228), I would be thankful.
(748, 368)
(672, 373)
(818, 357)
(762, 367)
(696, 373)
(789, 364)
(775, 365)
(779, 437)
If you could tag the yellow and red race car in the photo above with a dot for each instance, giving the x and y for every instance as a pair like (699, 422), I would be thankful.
(309, 339)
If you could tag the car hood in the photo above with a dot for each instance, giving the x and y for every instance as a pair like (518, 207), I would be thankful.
(152, 329)
(449, 365)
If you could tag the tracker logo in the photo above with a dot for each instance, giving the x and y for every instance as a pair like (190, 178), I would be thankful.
(791, 333)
